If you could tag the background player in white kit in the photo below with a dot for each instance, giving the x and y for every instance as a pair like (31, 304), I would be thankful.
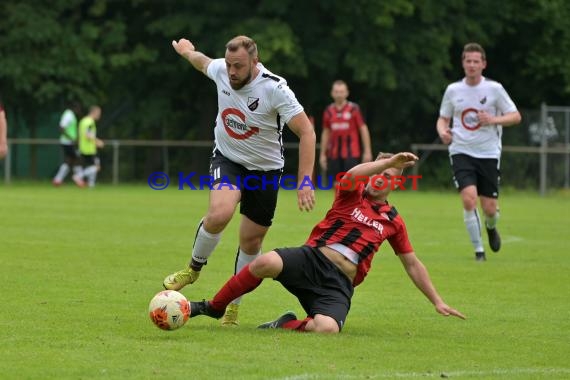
(480, 107)
(253, 107)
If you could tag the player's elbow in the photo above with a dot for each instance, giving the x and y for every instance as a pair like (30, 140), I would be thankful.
(517, 118)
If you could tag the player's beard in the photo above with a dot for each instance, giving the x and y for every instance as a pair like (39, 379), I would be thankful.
(239, 85)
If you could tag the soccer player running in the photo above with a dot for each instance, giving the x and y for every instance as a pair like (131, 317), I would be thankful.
(68, 142)
(345, 139)
(480, 107)
(89, 143)
(337, 256)
(253, 107)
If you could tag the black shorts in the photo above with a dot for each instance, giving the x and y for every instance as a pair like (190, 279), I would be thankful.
(318, 284)
(341, 165)
(89, 160)
(259, 189)
(69, 152)
(484, 173)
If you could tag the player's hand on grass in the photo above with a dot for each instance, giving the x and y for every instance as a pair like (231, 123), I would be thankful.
(446, 310)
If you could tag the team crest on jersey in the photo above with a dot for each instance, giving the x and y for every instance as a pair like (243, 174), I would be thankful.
(483, 101)
(252, 103)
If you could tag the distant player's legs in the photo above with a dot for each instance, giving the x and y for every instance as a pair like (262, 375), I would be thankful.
(70, 159)
(488, 189)
(465, 178)
(471, 217)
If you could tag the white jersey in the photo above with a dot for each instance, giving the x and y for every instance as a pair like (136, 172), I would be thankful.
(462, 102)
(250, 120)
(68, 122)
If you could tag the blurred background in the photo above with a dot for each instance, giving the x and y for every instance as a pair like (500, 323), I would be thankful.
(397, 57)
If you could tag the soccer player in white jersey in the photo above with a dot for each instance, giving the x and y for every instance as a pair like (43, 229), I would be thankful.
(253, 107)
(480, 108)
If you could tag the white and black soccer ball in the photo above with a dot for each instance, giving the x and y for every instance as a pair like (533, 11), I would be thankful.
(169, 310)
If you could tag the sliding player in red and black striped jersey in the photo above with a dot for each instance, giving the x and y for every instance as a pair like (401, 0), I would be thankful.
(322, 273)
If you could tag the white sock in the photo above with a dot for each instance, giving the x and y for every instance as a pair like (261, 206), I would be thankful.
(241, 261)
(62, 172)
(491, 221)
(78, 171)
(204, 244)
(471, 219)
(91, 173)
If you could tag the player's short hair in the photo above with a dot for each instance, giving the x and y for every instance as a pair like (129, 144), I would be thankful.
(339, 82)
(243, 41)
(474, 47)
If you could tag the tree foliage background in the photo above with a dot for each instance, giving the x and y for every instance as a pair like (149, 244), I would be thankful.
(397, 57)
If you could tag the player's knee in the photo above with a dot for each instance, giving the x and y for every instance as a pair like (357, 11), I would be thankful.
(267, 265)
(217, 219)
(324, 324)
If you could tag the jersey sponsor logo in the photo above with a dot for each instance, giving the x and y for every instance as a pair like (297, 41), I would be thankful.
(470, 120)
(252, 103)
(358, 216)
(235, 126)
(340, 126)
(226, 92)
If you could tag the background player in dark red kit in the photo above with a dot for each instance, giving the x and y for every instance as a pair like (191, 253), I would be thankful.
(322, 273)
(345, 139)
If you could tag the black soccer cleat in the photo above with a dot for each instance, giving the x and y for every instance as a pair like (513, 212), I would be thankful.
(494, 239)
(479, 256)
(203, 308)
(279, 322)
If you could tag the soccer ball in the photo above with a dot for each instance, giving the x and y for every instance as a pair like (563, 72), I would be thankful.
(169, 310)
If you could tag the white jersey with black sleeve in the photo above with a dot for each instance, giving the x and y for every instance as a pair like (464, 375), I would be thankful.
(462, 102)
(250, 120)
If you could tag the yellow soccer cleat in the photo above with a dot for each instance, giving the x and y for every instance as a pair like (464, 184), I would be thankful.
(180, 279)
(230, 317)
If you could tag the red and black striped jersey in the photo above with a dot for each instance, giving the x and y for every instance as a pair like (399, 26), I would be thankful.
(344, 124)
(361, 225)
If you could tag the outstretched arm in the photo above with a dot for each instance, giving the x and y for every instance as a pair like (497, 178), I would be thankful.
(419, 275)
(187, 50)
(362, 172)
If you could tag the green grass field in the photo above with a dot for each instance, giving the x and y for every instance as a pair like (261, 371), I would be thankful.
(80, 266)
